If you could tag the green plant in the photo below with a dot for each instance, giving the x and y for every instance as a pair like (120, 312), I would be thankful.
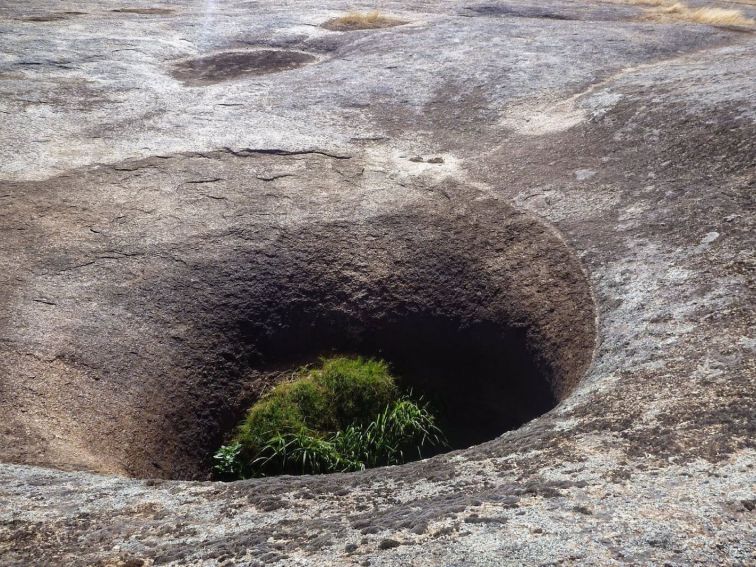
(401, 431)
(345, 415)
(228, 465)
(340, 392)
(296, 453)
(357, 388)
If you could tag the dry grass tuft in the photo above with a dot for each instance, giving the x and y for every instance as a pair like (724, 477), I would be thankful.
(719, 17)
(361, 21)
(645, 2)
(668, 12)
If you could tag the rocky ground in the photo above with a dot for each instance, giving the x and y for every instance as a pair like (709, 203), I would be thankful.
(193, 194)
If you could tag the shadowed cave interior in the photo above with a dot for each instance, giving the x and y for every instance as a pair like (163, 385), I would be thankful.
(480, 378)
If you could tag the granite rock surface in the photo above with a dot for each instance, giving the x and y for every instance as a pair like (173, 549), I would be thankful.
(195, 194)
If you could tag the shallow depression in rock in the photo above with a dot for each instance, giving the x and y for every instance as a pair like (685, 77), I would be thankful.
(233, 64)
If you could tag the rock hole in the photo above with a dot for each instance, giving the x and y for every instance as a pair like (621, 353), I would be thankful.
(478, 307)
(493, 325)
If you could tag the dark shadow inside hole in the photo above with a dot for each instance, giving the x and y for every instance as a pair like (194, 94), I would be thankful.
(481, 377)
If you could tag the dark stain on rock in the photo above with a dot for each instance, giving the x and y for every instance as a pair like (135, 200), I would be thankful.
(231, 65)
(521, 12)
(388, 544)
(144, 11)
(563, 12)
(53, 17)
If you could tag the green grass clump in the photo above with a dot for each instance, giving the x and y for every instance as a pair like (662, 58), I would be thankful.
(397, 434)
(357, 388)
(345, 415)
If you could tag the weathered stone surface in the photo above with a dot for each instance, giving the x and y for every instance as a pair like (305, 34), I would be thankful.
(164, 243)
